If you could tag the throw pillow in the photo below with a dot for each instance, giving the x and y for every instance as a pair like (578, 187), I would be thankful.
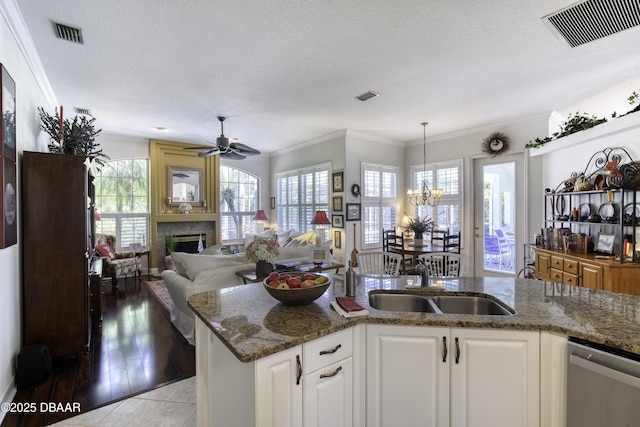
(106, 251)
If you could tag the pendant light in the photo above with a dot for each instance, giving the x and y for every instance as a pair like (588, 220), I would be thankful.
(423, 196)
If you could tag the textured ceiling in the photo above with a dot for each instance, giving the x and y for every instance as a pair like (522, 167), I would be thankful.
(287, 71)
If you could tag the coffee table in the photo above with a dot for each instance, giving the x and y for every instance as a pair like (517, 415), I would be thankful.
(249, 276)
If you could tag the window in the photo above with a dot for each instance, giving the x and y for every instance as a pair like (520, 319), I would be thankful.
(448, 177)
(122, 201)
(239, 195)
(379, 200)
(300, 193)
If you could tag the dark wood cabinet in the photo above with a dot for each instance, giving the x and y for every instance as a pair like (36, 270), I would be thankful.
(55, 244)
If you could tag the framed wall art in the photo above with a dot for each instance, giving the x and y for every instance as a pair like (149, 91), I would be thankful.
(605, 243)
(8, 108)
(337, 239)
(273, 202)
(337, 181)
(337, 221)
(353, 211)
(8, 204)
(337, 203)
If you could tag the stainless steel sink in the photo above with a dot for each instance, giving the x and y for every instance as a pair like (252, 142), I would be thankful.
(460, 304)
(401, 302)
(448, 304)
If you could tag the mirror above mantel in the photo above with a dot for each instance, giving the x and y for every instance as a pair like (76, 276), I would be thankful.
(185, 185)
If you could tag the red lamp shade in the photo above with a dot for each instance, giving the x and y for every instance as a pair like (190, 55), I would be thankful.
(260, 216)
(320, 217)
(97, 216)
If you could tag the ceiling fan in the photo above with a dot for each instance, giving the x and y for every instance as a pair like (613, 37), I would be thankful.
(226, 149)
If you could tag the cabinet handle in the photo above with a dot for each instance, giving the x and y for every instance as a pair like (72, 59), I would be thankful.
(299, 366)
(444, 350)
(333, 350)
(457, 350)
(332, 374)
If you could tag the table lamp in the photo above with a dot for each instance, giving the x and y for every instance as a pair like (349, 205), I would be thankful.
(259, 217)
(320, 218)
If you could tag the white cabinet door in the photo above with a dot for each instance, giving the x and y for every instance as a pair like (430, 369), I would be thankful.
(328, 396)
(495, 380)
(407, 376)
(279, 389)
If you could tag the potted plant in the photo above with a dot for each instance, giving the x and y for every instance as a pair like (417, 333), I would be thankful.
(78, 136)
(419, 226)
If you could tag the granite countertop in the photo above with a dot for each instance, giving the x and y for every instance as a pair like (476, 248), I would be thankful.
(252, 324)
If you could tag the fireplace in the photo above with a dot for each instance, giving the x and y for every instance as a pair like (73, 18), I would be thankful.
(189, 243)
(190, 230)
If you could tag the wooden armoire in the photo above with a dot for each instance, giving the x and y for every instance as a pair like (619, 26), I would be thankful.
(56, 244)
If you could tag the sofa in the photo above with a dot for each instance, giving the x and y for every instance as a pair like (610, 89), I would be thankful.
(196, 273)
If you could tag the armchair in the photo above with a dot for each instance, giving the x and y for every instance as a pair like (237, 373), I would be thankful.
(116, 264)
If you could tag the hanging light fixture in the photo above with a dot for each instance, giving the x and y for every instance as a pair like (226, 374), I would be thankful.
(423, 196)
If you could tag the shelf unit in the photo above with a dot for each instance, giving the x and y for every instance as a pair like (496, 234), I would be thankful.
(558, 213)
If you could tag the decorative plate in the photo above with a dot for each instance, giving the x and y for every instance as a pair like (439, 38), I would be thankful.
(607, 211)
(584, 210)
(560, 205)
(631, 214)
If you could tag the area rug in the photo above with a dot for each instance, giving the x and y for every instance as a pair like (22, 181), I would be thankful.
(159, 290)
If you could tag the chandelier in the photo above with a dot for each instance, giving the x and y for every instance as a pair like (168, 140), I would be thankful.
(423, 196)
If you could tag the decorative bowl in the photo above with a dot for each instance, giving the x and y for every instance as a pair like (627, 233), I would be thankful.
(298, 296)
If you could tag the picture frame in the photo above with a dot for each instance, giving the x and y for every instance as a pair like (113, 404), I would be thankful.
(353, 211)
(337, 203)
(337, 181)
(337, 221)
(136, 247)
(605, 243)
(8, 204)
(273, 202)
(8, 108)
(319, 255)
(337, 239)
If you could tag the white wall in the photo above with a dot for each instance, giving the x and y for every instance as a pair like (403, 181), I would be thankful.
(29, 96)
(466, 145)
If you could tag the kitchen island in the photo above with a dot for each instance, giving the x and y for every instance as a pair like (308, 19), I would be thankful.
(245, 326)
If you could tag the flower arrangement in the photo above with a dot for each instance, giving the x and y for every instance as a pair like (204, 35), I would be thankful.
(262, 249)
(420, 226)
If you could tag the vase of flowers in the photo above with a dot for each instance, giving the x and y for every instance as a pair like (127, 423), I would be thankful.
(419, 226)
(264, 252)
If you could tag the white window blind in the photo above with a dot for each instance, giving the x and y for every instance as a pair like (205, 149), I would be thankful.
(122, 201)
(239, 199)
(300, 193)
(448, 177)
(379, 200)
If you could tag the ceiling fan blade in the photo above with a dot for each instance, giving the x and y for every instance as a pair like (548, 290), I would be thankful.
(244, 149)
(232, 155)
(201, 147)
(209, 152)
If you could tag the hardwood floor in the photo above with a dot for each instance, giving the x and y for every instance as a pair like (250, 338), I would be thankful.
(135, 350)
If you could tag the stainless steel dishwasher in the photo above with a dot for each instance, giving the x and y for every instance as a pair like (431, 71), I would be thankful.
(603, 386)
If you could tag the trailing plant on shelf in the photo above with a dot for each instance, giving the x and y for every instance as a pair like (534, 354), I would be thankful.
(575, 123)
(78, 136)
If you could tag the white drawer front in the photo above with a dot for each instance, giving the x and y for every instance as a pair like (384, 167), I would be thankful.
(327, 350)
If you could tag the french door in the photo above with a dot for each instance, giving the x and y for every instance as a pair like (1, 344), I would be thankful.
(499, 214)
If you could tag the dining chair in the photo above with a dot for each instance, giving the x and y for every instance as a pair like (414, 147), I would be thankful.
(379, 263)
(394, 243)
(442, 264)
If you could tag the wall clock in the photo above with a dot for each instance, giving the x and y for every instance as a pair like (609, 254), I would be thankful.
(495, 144)
(355, 190)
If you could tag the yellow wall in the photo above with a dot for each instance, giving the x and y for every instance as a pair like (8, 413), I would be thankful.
(163, 154)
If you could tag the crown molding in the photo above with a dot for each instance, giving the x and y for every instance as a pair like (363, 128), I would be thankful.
(18, 28)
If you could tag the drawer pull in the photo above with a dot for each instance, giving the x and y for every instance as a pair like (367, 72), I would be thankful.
(298, 370)
(332, 374)
(333, 350)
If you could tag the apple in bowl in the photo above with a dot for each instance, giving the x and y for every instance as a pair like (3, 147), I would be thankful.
(296, 288)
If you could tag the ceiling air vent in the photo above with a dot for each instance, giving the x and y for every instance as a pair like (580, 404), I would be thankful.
(367, 96)
(591, 20)
(68, 33)
(85, 111)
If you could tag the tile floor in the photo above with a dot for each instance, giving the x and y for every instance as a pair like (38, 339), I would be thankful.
(173, 405)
